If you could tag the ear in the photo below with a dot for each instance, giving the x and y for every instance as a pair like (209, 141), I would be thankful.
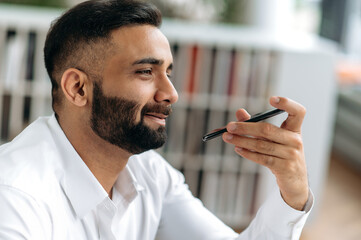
(74, 86)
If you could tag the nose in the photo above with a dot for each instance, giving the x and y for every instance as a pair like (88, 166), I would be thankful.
(165, 91)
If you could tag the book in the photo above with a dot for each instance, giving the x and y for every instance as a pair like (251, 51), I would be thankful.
(209, 187)
(14, 81)
(181, 70)
(260, 97)
(245, 189)
(193, 62)
(228, 187)
(203, 73)
(242, 61)
(193, 152)
(176, 136)
(41, 85)
(3, 34)
(220, 81)
(272, 75)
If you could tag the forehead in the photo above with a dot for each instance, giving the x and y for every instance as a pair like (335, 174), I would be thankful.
(139, 41)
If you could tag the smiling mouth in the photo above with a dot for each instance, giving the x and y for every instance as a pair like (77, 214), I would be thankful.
(157, 118)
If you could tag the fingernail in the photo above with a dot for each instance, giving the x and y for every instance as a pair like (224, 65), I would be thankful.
(228, 136)
(239, 149)
(276, 99)
(232, 127)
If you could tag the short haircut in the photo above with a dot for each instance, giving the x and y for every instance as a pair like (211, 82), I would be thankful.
(82, 33)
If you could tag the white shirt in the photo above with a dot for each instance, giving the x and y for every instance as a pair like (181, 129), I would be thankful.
(47, 192)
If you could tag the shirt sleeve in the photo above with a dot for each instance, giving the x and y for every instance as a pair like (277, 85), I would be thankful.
(185, 217)
(19, 218)
(276, 220)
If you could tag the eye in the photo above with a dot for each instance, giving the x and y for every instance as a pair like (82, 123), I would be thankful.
(169, 75)
(144, 71)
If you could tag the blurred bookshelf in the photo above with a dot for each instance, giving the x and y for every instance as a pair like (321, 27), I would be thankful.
(341, 22)
(218, 69)
(347, 138)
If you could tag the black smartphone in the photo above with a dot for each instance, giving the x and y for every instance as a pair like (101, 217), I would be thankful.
(255, 118)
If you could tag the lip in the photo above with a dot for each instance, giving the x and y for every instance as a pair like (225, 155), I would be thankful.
(157, 118)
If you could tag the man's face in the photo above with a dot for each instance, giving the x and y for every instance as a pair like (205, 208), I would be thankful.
(132, 100)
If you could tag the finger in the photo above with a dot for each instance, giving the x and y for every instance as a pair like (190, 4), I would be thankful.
(242, 115)
(265, 131)
(265, 160)
(260, 146)
(296, 113)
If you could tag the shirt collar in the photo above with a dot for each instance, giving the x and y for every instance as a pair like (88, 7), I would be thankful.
(80, 185)
(126, 186)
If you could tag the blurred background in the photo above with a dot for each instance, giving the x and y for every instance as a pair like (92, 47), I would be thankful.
(230, 54)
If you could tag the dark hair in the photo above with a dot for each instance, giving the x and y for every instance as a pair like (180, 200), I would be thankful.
(86, 24)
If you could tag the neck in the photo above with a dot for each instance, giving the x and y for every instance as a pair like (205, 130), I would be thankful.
(103, 159)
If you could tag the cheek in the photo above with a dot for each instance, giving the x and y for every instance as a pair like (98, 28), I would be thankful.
(138, 113)
(141, 94)
(137, 90)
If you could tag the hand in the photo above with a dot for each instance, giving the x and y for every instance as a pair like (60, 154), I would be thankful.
(278, 148)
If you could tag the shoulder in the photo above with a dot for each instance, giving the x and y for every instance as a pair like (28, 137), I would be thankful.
(22, 214)
(35, 135)
(30, 160)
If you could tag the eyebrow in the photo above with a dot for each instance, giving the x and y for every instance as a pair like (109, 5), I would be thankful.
(153, 61)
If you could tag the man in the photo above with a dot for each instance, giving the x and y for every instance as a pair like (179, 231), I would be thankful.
(87, 173)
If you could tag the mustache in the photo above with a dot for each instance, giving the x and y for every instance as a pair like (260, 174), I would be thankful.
(156, 108)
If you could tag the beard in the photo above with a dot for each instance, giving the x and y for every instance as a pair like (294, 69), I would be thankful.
(114, 120)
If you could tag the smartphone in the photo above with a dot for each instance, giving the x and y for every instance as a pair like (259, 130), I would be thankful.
(255, 118)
